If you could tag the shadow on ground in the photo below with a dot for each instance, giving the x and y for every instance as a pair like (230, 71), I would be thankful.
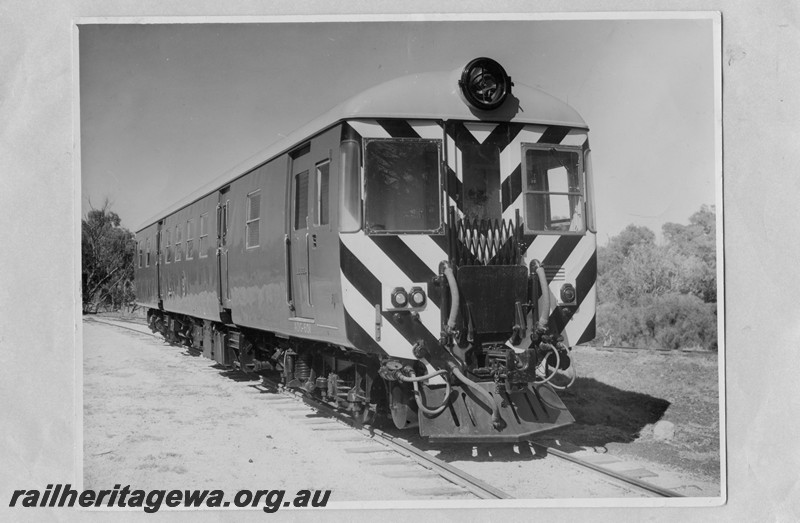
(603, 415)
(224, 371)
(237, 375)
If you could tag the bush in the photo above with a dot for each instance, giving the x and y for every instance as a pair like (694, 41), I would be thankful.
(671, 321)
(682, 321)
(646, 270)
(659, 295)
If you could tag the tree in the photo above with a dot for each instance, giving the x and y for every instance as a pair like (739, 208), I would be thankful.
(660, 294)
(107, 254)
(696, 245)
(620, 246)
(645, 271)
(612, 276)
(699, 238)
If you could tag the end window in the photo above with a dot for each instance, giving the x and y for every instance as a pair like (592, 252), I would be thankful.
(402, 185)
(553, 191)
(481, 181)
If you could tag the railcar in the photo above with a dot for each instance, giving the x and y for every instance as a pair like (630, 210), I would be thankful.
(424, 251)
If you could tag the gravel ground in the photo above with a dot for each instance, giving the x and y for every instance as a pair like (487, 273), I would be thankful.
(659, 408)
(157, 417)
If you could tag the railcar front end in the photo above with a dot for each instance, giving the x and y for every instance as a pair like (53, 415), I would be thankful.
(471, 269)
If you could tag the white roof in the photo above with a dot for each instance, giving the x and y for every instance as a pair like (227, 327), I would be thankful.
(417, 96)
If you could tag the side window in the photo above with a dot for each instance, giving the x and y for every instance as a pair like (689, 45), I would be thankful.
(141, 254)
(178, 243)
(222, 223)
(323, 194)
(253, 219)
(350, 187)
(189, 240)
(147, 253)
(203, 235)
(301, 201)
(168, 243)
(591, 219)
(553, 190)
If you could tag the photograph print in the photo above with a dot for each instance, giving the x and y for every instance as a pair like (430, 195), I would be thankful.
(373, 263)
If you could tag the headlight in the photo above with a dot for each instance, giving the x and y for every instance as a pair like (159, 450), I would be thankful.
(399, 297)
(485, 84)
(417, 297)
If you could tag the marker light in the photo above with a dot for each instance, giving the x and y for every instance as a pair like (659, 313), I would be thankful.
(568, 293)
(399, 297)
(485, 84)
(417, 297)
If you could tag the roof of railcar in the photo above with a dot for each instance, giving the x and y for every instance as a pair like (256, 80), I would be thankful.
(417, 96)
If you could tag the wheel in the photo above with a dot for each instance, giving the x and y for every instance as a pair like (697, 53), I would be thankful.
(403, 416)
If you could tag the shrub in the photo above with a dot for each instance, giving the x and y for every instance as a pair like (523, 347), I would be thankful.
(659, 295)
(682, 321)
(671, 321)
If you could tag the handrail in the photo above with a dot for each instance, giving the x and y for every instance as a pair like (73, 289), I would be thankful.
(287, 243)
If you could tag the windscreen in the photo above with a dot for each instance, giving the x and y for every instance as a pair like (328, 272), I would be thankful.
(402, 185)
(480, 182)
(553, 190)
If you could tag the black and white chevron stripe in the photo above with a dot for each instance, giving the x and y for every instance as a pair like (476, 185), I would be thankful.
(369, 266)
(369, 263)
(577, 255)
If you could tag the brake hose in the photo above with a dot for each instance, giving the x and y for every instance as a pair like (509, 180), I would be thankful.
(418, 396)
(555, 367)
(544, 313)
(571, 381)
(454, 298)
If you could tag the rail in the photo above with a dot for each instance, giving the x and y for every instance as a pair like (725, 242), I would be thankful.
(620, 476)
(477, 487)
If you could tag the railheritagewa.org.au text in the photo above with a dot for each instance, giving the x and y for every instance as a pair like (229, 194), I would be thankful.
(150, 501)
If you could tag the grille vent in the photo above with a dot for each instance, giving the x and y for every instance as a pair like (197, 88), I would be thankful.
(555, 273)
(487, 242)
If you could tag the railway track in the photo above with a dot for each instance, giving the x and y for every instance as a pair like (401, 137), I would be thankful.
(479, 488)
(398, 445)
(649, 488)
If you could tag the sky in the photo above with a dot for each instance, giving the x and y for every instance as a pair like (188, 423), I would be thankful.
(167, 108)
